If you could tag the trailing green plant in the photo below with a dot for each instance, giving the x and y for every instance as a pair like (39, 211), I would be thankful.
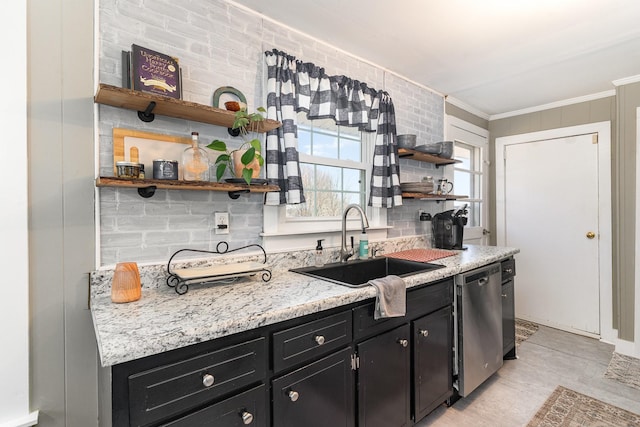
(247, 124)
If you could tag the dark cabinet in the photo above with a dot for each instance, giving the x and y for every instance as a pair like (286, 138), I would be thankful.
(162, 391)
(432, 361)
(508, 267)
(508, 320)
(384, 379)
(317, 395)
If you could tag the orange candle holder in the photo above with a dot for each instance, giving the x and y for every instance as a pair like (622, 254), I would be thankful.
(125, 286)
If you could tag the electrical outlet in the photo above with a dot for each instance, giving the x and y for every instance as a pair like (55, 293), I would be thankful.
(222, 222)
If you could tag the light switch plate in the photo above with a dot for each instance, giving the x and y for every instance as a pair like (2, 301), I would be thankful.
(222, 222)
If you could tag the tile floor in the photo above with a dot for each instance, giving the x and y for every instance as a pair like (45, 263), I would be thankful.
(514, 394)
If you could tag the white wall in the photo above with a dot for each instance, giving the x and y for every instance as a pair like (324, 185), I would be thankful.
(14, 257)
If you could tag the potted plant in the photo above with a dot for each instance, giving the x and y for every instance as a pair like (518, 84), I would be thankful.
(245, 161)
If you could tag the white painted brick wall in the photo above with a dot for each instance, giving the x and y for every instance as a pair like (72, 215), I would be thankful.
(219, 45)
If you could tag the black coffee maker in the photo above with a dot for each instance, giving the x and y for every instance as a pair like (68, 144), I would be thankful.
(448, 228)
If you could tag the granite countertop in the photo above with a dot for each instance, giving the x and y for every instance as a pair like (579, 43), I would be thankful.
(163, 320)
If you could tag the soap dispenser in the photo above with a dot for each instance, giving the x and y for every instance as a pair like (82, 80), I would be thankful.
(363, 249)
(319, 254)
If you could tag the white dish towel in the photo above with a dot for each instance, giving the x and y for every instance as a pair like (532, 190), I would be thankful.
(391, 297)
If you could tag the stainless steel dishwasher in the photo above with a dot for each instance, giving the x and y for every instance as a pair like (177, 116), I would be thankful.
(478, 326)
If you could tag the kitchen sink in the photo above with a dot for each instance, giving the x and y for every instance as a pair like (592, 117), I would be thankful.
(357, 273)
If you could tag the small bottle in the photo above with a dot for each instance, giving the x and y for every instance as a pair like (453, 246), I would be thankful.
(195, 161)
(319, 254)
(363, 250)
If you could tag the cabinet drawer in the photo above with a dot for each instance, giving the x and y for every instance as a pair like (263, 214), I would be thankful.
(419, 302)
(295, 345)
(508, 268)
(246, 408)
(161, 392)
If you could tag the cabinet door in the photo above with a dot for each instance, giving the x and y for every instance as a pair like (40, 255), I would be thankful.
(384, 379)
(433, 365)
(319, 394)
(508, 320)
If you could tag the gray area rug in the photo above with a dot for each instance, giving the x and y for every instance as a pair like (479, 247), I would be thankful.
(524, 330)
(624, 369)
(568, 408)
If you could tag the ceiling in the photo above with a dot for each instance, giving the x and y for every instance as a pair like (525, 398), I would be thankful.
(495, 56)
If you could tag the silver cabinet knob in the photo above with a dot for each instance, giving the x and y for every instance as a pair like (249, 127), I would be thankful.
(319, 339)
(403, 343)
(207, 380)
(504, 295)
(424, 332)
(293, 395)
(247, 417)
(508, 270)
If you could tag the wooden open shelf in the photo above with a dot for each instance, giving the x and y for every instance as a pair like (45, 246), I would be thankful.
(405, 153)
(150, 185)
(435, 197)
(170, 107)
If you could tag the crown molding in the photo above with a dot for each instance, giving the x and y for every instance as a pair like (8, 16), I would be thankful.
(626, 80)
(556, 104)
(468, 108)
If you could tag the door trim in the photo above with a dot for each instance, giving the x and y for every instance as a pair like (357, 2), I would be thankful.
(603, 129)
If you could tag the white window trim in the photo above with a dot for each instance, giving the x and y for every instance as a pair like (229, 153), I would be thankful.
(301, 233)
(458, 129)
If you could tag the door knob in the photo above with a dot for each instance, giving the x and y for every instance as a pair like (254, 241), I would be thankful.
(591, 235)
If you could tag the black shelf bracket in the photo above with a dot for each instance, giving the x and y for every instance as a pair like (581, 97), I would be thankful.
(147, 115)
(147, 192)
(235, 194)
(233, 132)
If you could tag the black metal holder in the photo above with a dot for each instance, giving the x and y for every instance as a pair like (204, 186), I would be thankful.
(181, 284)
(147, 115)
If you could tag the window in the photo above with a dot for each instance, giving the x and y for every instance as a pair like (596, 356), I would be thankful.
(335, 163)
(332, 168)
(468, 177)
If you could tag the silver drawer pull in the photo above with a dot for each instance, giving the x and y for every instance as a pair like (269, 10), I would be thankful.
(319, 339)
(403, 343)
(207, 380)
(247, 417)
(293, 395)
(424, 332)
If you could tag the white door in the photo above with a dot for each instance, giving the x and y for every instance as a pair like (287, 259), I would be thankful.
(470, 177)
(551, 214)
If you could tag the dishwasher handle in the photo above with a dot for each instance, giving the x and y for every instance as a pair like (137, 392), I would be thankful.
(483, 281)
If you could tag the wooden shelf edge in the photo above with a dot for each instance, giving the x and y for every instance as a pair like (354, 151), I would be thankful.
(405, 153)
(111, 181)
(139, 101)
(434, 197)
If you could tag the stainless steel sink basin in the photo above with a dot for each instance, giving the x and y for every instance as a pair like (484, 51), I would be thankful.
(357, 273)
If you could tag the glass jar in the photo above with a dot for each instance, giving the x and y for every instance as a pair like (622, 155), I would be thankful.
(195, 161)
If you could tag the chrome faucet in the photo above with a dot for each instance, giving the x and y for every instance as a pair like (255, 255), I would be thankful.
(345, 253)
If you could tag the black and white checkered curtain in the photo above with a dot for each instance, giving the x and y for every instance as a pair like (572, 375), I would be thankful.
(350, 103)
(283, 168)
